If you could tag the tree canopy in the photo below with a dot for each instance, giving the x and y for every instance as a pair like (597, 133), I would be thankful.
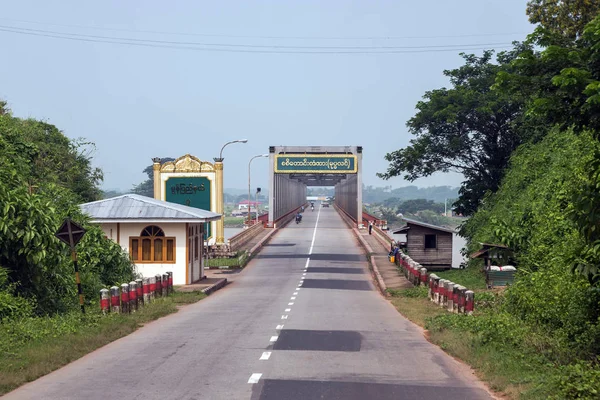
(468, 128)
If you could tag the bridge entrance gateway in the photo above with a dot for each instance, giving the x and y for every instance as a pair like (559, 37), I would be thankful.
(293, 168)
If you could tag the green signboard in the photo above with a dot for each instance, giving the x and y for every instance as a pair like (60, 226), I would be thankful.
(315, 164)
(193, 192)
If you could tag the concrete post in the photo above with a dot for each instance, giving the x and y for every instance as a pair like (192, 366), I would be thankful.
(461, 299)
(434, 287)
(450, 301)
(104, 301)
(133, 303)
(165, 285)
(146, 290)
(441, 292)
(125, 299)
(115, 302)
(469, 302)
(455, 296)
(170, 273)
(158, 292)
(423, 272)
(152, 283)
(139, 284)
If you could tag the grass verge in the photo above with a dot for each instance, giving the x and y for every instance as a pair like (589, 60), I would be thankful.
(34, 347)
(515, 370)
(472, 278)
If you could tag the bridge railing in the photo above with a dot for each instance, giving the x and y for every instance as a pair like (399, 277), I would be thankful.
(237, 241)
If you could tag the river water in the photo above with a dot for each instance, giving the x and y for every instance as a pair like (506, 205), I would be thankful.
(229, 232)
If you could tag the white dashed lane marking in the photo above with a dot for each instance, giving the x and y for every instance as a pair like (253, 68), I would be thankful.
(293, 297)
(290, 304)
(254, 378)
(273, 338)
(284, 317)
(265, 355)
(279, 327)
(287, 310)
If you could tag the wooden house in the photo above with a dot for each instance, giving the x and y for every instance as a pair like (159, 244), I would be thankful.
(429, 245)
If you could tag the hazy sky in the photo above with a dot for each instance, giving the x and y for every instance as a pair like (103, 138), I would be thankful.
(139, 102)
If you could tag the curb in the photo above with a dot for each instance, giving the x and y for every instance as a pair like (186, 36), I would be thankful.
(369, 250)
(214, 287)
(262, 241)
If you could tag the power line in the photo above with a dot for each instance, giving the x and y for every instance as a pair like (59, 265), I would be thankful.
(244, 46)
(268, 36)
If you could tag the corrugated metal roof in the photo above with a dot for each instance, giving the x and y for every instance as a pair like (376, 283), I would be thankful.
(419, 223)
(133, 207)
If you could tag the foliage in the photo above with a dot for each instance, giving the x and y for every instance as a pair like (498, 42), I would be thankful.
(42, 181)
(44, 155)
(564, 17)
(580, 380)
(469, 128)
(530, 213)
(146, 188)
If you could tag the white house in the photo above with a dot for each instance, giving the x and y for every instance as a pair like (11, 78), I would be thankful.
(159, 236)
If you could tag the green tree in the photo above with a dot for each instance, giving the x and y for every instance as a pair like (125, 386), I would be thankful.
(468, 128)
(43, 178)
(146, 188)
(566, 18)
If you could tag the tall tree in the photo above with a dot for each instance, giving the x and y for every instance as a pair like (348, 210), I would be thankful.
(566, 18)
(146, 188)
(468, 128)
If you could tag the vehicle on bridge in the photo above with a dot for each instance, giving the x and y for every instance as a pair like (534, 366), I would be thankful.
(325, 204)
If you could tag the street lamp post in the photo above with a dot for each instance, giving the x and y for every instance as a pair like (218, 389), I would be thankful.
(250, 162)
(220, 234)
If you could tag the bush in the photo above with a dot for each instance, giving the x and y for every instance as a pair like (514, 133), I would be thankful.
(579, 380)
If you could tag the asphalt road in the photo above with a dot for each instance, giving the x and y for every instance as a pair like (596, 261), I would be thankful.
(302, 322)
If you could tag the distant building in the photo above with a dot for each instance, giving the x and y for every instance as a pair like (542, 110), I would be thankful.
(159, 236)
(429, 245)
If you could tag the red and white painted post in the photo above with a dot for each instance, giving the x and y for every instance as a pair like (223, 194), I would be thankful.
(139, 284)
(165, 285)
(461, 299)
(455, 293)
(423, 272)
(158, 285)
(435, 294)
(170, 273)
(104, 301)
(442, 292)
(146, 290)
(125, 298)
(152, 280)
(430, 287)
(450, 300)
(133, 304)
(469, 302)
(115, 301)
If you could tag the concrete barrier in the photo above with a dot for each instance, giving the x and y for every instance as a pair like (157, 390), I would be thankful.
(125, 298)
(133, 303)
(115, 301)
(104, 301)
(158, 290)
(139, 284)
(152, 295)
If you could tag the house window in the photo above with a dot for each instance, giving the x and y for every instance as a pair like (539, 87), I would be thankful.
(152, 246)
(430, 241)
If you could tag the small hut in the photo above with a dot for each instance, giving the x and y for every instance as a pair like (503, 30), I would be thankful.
(429, 245)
